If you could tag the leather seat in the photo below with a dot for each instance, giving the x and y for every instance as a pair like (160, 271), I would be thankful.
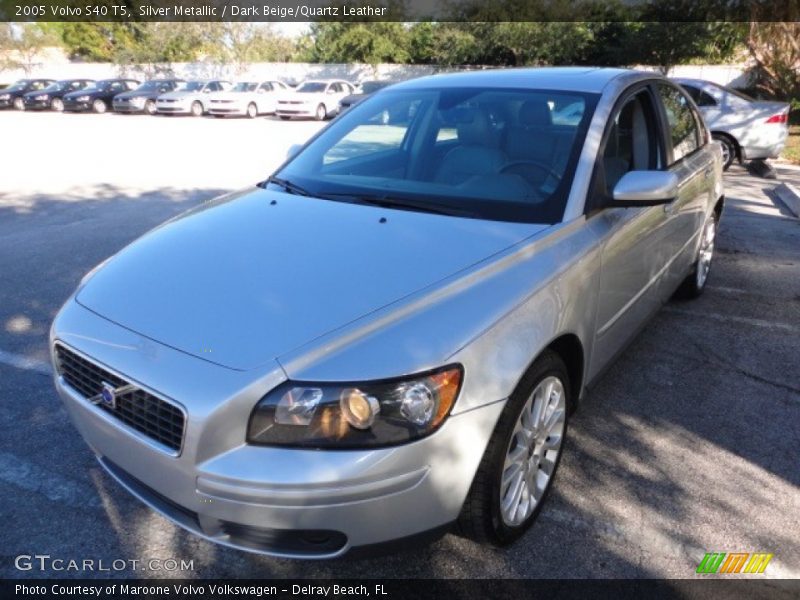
(475, 155)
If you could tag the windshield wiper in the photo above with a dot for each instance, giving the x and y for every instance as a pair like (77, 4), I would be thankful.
(287, 185)
(391, 202)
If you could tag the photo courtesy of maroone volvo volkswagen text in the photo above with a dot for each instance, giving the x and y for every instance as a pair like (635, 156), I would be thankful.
(385, 339)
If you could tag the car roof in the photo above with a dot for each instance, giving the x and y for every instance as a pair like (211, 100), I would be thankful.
(578, 79)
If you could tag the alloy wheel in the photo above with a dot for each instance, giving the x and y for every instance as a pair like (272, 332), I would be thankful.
(706, 252)
(533, 450)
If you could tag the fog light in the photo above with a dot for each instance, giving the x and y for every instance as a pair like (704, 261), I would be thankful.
(297, 406)
(358, 409)
(418, 404)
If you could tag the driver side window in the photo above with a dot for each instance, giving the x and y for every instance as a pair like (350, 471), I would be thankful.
(632, 143)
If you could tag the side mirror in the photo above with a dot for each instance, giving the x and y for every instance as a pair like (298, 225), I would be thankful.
(293, 150)
(645, 188)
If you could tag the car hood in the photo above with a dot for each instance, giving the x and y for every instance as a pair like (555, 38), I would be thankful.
(232, 96)
(246, 278)
(136, 94)
(305, 97)
(179, 95)
(79, 93)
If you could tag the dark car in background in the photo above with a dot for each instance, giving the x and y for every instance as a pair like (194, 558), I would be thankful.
(98, 96)
(52, 96)
(143, 98)
(12, 95)
(366, 89)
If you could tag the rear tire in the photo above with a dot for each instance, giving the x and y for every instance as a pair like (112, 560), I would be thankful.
(522, 456)
(695, 283)
(729, 149)
(99, 106)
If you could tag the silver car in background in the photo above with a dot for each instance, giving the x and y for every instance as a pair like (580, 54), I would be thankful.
(247, 99)
(748, 129)
(386, 338)
(190, 97)
(316, 99)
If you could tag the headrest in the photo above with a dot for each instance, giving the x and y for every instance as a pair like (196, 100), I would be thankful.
(473, 127)
(535, 113)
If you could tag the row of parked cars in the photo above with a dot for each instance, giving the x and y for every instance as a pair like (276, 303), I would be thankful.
(318, 99)
(747, 129)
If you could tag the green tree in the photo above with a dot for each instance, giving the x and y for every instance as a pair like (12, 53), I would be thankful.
(369, 43)
(22, 44)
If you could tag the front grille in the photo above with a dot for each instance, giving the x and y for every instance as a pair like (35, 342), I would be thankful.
(138, 409)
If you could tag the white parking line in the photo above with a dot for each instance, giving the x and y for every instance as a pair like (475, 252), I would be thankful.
(26, 364)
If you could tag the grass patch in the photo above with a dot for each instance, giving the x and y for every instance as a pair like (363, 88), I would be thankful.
(792, 150)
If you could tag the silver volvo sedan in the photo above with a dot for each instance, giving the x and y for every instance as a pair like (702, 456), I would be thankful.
(385, 340)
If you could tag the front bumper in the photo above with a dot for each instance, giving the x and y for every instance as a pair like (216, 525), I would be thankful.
(296, 110)
(75, 106)
(173, 108)
(127, 106)
(6, 103)
(36, 104)
(277, 501)
(227, 110)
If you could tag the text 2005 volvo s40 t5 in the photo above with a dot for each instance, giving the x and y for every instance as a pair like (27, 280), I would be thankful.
(386, 338)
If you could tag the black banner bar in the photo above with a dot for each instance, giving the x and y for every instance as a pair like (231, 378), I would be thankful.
(399, 10)
(410, 589)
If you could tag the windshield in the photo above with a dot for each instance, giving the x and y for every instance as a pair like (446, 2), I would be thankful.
(485, 153)
(98, 85)
(311, 87)
(154, 85)
(245, 86)
(191, 86)
(737, 93)
(56, 86)
(17, 85)
(370, 87)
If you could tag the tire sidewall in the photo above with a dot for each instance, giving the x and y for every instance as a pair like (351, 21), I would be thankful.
(150, 107)
(729, 146)
(546, 365)
(194, 111)
(57, 104)
(252, 111)
(320, 115)
(99, 106)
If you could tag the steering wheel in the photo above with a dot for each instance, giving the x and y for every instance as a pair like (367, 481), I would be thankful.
(530, 163)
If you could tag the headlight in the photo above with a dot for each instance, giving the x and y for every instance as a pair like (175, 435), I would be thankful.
(137, 100)
(5, 96)
(40, 98)
(82, 99)
(355, 415)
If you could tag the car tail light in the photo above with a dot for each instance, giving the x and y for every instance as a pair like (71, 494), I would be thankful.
(781, 118)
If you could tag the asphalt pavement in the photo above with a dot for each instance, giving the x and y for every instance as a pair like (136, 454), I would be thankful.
(688, 445)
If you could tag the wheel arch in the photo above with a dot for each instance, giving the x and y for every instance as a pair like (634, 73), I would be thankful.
(733, 139)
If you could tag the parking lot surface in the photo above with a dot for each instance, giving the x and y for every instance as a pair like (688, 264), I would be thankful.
(688, 445)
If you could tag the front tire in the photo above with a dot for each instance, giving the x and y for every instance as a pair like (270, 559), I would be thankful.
(57, 104)
(321, 113)
(19, 104)
(729, 151)
(695, 283)
(150, 107)
(197, 109)
(520, 461)
(252, 111)
(99, 106)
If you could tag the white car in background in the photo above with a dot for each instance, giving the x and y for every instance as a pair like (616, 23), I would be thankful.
(190, 98)
(247, 98)
(748, 129)
(318, 99)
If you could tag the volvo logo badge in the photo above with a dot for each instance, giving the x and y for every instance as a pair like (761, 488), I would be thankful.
(108, 395)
